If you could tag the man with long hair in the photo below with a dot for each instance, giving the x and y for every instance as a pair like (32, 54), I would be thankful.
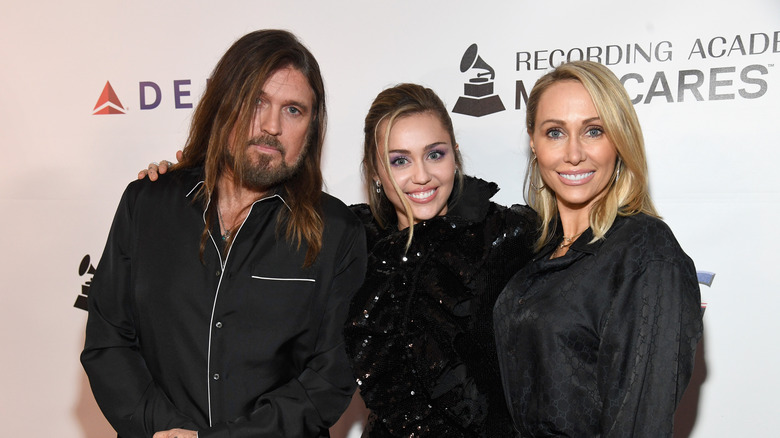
(218, 304)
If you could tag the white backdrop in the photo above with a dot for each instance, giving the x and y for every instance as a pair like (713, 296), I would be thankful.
(63, 168)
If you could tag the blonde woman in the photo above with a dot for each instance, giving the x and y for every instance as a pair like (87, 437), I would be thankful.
(596, 337)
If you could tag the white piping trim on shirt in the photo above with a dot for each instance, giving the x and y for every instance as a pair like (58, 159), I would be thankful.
(284, 279)
(219, 284)
(193, 189)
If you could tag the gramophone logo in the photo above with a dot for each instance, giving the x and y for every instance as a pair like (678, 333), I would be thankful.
(108, 102)
(478, 99)
(85, 269)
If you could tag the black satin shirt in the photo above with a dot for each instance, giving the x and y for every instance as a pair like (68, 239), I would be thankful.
(420, 333)
(600, 342)
(244, 345)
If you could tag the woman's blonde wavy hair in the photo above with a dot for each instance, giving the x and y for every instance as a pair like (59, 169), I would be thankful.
(629, 191)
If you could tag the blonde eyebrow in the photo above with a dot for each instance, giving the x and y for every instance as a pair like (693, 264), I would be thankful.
(560, 122)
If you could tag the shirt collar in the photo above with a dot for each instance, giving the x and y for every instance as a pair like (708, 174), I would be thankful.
(278, 192)
(583, 243)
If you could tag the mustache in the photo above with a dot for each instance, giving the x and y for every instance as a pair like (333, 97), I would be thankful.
(266, 140)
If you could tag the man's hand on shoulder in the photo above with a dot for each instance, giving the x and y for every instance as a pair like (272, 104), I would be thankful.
(176, 433)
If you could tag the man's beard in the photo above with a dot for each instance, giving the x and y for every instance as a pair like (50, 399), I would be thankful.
(261, 175)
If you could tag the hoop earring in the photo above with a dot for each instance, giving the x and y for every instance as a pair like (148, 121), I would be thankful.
(378, 186)
(530, 175)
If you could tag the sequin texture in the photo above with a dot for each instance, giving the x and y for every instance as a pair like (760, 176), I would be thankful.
(426, 351)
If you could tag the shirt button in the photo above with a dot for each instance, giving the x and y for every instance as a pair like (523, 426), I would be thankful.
(215, 376)
(218, 324)
(219, 273)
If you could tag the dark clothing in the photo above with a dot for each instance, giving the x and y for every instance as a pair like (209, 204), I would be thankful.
(600, 342)
(420, 332)
(245, 345)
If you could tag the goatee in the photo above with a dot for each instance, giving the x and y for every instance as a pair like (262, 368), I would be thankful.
(262, 175)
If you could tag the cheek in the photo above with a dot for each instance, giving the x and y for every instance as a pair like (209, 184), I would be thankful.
(446, 173)
(606, 156)
(384, 178)
(546, 161)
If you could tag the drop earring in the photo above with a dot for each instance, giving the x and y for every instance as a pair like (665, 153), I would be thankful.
(378, 186)
(531, 173)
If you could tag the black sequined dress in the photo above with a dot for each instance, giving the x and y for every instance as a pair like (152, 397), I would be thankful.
(420, 333)
(601, 342)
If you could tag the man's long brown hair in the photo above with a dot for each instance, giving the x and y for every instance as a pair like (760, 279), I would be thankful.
(229, 103)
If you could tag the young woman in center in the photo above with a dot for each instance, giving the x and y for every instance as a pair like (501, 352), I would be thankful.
(420, 333)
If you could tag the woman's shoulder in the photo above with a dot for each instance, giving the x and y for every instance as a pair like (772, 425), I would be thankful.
(519, 221)
(648, 236)
(363, 212)
(642, 224)
(374, 231)
(520, 213)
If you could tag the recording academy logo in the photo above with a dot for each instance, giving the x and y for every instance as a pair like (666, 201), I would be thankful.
(478, 99)
(108, 102)
(85, 268)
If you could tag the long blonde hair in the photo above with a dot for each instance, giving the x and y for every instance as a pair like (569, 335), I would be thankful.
(629, 192)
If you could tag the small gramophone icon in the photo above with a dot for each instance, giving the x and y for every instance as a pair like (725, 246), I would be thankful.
(479, 99)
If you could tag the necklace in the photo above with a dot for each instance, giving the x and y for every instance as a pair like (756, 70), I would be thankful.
(226, 234)
(567, 241)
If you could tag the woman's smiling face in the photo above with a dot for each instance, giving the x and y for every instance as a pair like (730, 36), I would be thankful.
(576, 159)
(422, 163)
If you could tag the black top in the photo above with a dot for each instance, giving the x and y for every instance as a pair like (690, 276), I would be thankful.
(420, 332)
(244, 346)
(600, 342)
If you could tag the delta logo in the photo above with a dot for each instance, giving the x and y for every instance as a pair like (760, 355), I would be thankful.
(150, 96)
(108, 102)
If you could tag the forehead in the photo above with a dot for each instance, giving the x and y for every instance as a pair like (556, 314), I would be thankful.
(289, 84)
(564, 97)
(413, 130)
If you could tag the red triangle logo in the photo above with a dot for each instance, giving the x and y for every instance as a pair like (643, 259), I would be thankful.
(108, 102)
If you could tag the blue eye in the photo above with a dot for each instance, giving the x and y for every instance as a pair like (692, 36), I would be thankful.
(436, 155)
(554, 133)
(594, 132)
(398, 161)
(293, 110)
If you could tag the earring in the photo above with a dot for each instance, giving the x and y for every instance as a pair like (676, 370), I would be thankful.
(378, 186)
(531, 173)
(617, 176)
